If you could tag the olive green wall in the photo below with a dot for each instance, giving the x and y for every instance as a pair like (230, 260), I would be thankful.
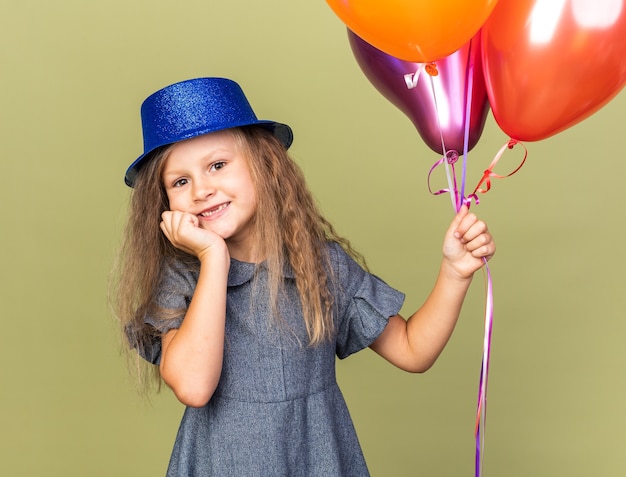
(73, 74)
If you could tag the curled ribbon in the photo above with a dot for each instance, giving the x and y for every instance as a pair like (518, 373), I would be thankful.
(489, 174)
(451, 158)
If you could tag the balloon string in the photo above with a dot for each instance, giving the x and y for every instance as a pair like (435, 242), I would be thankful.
(481, 411)
(458, 198)
(468, 115)
(479, 432)
(483, 186)
(449, 159)
(432, 71)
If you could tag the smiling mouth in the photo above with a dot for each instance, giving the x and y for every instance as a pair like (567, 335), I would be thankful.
(216, 210)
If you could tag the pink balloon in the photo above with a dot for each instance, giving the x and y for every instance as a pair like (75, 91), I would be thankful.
(435, 104)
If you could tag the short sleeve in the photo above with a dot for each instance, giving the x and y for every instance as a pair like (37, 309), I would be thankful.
(364, 304)
(176, 288)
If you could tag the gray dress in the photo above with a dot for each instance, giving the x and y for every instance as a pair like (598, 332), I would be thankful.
(277, 410)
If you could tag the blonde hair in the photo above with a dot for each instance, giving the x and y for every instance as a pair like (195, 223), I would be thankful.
(288, 229)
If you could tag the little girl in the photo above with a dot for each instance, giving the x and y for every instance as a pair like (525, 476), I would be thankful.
(242, 294)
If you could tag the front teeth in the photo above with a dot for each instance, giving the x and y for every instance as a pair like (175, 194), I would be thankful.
(209, 213)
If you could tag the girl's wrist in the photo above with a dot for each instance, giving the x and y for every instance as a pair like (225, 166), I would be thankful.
(214, 253)
(450, 272)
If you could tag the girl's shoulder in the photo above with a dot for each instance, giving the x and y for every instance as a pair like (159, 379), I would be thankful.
(342, 261)
(342, 255)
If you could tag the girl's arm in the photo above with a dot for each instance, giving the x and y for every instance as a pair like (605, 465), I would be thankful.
(191, 356)
(414, 345)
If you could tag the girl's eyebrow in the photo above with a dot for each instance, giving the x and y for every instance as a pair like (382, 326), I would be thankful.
(173, 172)
(208, 157)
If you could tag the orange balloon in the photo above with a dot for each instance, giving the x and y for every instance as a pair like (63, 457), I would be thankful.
(551, 63)
(419, 31)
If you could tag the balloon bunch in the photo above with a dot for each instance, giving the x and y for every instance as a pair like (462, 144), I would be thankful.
(542, 66)
(545, 64)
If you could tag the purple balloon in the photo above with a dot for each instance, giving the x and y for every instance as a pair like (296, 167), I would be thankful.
(436, 105)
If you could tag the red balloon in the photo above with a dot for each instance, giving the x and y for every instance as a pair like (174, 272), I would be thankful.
(549, 64)
(436, 105)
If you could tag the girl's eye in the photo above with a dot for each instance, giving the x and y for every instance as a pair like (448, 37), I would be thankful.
(180, 182)
(216, 166)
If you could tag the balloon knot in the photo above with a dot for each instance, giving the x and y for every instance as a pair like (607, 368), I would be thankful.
(452, 156)
(431, 69)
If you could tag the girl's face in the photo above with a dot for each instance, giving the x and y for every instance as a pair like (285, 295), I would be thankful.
(208, 177)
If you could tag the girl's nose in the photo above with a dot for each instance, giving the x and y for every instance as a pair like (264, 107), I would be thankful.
(203, 189)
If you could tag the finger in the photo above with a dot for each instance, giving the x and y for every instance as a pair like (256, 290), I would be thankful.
(484, 253)
(177, 221)
(486, 250)
(164, 228)
(194, 220)
(170, 222)
(456, 221)
(167, 218)
(175, 218)
(482, 240)
(165, 221)
(469, 227)
(474, 231)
